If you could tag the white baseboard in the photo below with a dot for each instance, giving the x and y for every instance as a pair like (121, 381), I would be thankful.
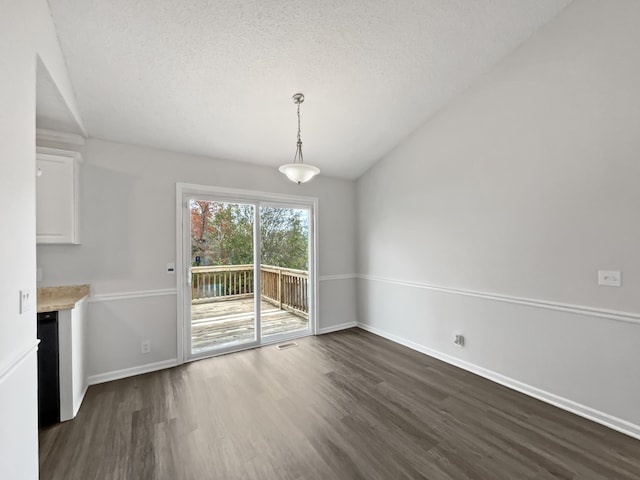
(78, 401)
(589, 413)
(335, 328)
(130, 372)
(152, 367)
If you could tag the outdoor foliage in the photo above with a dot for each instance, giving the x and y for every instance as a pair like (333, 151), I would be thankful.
(222, 234)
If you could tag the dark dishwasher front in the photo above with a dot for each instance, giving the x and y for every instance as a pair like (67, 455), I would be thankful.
(48, 369)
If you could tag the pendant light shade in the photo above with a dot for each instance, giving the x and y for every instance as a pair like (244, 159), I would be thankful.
(298, 171)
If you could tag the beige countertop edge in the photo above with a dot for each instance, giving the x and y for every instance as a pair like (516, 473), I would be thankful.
(63, 297)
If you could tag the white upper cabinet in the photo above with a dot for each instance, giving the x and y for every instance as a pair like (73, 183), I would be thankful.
(57, 201)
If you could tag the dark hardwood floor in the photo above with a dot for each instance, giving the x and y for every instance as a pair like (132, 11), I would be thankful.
(347, 405)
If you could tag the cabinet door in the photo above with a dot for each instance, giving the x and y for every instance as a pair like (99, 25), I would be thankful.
(55, 199)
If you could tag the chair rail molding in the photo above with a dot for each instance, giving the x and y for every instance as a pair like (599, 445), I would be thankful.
(107, 297)
(619, 316)
(17, 360)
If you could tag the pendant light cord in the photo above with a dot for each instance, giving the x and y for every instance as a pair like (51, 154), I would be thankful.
(298, 156)
(298, 122)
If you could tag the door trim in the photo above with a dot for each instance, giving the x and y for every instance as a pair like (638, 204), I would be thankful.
(237, 195)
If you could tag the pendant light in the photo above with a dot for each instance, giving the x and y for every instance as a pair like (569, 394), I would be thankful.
(297, 171)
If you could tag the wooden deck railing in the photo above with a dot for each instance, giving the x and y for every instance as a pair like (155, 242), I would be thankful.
(222, 281)
(285, 288)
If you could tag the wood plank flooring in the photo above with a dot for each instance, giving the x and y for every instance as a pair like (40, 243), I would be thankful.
(348, 405)
(217, 323)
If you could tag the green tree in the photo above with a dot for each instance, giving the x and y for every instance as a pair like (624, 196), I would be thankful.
(284, 234)
(222, 234)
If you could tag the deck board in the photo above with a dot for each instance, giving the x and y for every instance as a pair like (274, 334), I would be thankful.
(218, 323)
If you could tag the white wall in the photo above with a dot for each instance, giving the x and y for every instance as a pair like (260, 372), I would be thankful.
(128, 233)
(26, 30)
(523, 187)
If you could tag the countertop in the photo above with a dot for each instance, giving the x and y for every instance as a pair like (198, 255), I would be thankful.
(61, 298)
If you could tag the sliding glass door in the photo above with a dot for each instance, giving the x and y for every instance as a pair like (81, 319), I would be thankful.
(248, 272)
(223, 311)
(284, 269)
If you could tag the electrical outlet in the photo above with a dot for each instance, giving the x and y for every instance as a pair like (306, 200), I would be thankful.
(610, 278)
(26, 301)
(459, 340)
(145, 346)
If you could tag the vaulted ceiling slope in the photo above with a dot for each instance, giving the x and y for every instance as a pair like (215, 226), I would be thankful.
(215, 78)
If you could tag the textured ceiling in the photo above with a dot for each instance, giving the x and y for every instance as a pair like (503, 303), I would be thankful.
(216, 77)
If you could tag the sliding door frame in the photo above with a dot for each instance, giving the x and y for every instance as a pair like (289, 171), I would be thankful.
(185, 191)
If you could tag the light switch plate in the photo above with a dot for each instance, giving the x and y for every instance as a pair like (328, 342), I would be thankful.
(26, 301)
(610, 278)
(171, 268)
